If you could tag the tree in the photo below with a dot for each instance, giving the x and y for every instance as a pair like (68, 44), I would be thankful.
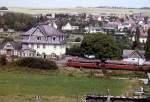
(78, 39)
(7, 39)
(74, 51)
(17, 21)
(147, 46)
(100, 45)
(3, 8)
(3, 60)
(136, 43)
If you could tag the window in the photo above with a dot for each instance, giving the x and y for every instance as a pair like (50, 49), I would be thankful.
(30, 55)
(24, 54)
(15, 53)
(38, 38)
(53, 55)
(54, 38)
(32, 45)
(54, 46)
(44, 46)
(38, 54)
(38, 46)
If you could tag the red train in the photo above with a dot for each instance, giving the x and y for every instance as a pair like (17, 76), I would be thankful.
(97, 64)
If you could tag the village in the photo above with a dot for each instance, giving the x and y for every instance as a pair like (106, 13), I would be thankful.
(59, 32)
(80, 41)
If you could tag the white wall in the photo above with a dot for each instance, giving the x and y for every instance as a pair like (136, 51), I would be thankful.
(143, 40)
(139, 61)
(49, 49)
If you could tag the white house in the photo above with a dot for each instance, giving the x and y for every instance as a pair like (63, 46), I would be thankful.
(45, 41)
(134, 56)
(69, 27)
(143, 36)
(94, 30)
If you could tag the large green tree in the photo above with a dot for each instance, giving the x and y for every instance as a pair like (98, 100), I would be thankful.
(147, 46)
(100, 45)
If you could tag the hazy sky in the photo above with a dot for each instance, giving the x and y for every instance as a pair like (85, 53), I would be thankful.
(74, 3)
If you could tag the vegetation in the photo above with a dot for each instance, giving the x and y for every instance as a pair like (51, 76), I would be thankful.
(36, 63)
(18, 21)
(32, 82)
(78, 39)
(3, 8)
(3, 60)
(79, 10)
(74, 51)
(100, 45)
(7, 39)
(136, 43)
(147, 46)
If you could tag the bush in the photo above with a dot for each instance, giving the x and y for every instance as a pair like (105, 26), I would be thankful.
(3, 8)
(78, 39)
(38, 63)
(3, 60)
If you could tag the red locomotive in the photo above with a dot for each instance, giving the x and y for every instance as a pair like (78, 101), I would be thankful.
(97, 64)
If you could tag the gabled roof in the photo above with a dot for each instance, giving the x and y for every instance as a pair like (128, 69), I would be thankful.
(45, 29)
(16, 45)
(131, 53)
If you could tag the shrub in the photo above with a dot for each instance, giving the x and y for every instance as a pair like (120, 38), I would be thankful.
(78, 39)
(3, 8)
(38, 63)
(3, 60)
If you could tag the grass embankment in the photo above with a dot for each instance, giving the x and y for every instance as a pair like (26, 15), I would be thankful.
(23, 84)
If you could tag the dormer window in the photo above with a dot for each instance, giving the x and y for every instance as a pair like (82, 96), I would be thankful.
(38, 38)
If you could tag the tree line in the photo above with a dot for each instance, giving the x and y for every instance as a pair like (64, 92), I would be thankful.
(18, 21)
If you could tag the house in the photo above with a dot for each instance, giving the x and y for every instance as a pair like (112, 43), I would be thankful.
(10, 49)
(134, 56)
(94, 30)
(142, 37)
(43, 41)
(11, 31)
(69, 27)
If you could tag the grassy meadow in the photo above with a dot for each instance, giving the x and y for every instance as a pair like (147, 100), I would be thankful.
(77, 10)
(23, 84)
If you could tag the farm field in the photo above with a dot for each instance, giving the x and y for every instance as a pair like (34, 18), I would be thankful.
(22, 85)
(78, 10)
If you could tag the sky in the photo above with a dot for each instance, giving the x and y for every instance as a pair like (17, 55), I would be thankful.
(73, 3)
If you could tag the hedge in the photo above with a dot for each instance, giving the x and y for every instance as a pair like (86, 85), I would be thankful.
(38, 63)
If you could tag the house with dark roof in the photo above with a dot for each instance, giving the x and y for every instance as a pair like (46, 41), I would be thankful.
(43, 41)
(10, 49)
(134, 56)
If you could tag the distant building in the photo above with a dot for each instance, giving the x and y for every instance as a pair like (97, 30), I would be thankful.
(69, 27)
(94, 30)
(134, 56)
(11, 50)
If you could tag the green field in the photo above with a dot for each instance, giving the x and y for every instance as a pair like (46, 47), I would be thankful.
(23, 85)
(78, 10)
